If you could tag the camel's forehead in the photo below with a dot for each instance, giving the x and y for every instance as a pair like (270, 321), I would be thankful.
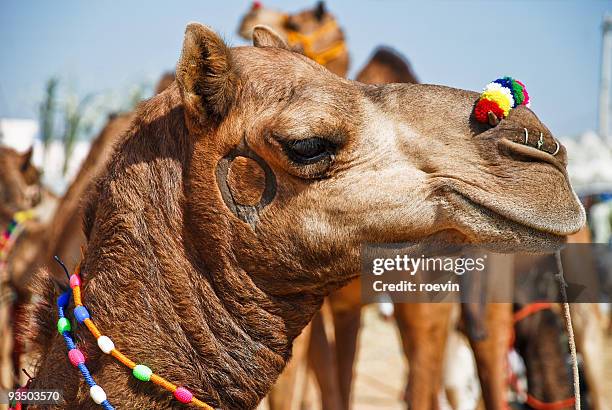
(278, 68)
(286, 79)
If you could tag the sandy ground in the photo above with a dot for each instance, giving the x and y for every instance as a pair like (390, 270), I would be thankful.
(381, 369)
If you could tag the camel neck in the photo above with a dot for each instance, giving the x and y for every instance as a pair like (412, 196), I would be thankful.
(190, 327)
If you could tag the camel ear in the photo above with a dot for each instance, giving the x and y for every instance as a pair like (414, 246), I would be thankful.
(206, 74)
(493, 120)
(264, 36)
(320, 10)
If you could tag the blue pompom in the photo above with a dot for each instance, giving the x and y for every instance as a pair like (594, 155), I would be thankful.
(505, 82)
(64, 299)
(81, 313)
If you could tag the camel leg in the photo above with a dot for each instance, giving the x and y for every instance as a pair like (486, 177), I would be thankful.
(588, 329)
(423, 329)
(346, 310)
(459, 373)
(322, 360)
(491, 355)
(285, 394)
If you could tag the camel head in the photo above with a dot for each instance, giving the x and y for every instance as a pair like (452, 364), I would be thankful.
(313, 32)
(19, 181)
(260, 15)
(298, 167)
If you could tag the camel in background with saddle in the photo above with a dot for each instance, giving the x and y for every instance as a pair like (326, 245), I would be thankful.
(25, 208)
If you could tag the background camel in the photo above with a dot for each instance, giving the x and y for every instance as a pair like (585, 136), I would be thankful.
(20, 190)
(164, 217)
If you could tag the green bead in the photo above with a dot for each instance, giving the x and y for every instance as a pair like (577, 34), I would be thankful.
(142, 372)
(63, 325)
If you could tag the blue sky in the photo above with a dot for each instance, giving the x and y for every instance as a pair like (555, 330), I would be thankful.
(107, 47)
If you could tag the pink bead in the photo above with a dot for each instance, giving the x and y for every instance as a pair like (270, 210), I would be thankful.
(183, 395)
(75, 281)
(76, 357)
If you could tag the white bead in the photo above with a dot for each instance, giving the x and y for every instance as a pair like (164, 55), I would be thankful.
(105, 344)
(97, 394)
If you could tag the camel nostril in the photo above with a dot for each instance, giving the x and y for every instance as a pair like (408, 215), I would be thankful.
(534, 144)
(538, 140)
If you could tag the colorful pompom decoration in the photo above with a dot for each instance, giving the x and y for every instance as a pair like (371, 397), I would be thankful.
(499, 97)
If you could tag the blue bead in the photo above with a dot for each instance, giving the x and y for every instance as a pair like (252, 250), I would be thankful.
(81, 313)
(64, 299)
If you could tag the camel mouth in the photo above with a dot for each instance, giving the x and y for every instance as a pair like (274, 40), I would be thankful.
(528, 187)
(504, 232)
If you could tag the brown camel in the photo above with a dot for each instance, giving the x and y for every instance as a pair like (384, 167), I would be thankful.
(242, 194)
(315, 32)
(20, 190)
(335, 375)
(538, 341)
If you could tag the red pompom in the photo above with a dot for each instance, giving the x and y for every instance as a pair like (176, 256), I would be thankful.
(256, 5)
(481, 111)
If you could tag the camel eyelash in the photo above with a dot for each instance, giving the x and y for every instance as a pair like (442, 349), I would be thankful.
(309, 150)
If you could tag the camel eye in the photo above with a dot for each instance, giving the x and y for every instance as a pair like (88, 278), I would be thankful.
(309, 150)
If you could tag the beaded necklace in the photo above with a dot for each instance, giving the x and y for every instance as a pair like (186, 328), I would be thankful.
(11, 233)
(139, 371)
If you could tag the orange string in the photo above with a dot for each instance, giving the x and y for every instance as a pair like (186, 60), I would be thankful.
(76, 294)
(530, 309)
(92, 328)
(200, 403)
(160, 381)
(122, 358)
(555, 405)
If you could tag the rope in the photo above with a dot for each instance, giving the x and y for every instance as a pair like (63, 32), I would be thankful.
(569, 328)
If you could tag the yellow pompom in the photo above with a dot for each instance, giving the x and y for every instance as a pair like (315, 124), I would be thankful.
(500, 98)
